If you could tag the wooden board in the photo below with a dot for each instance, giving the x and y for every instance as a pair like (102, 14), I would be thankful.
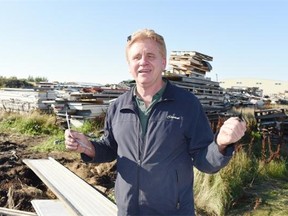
(192, 53)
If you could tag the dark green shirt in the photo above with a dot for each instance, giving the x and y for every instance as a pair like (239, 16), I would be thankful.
(143, 111)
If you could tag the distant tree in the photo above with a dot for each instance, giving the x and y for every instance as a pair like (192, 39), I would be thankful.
(13, 78)
(41, 79)
(30, 78)
(2, 81)
(13, 82)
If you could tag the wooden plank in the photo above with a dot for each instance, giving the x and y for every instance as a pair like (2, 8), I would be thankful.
(50, 208)
(192, 53)
(78, 196)
(192, 80)
(14, 212)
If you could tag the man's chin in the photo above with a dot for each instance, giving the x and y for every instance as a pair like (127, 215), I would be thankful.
(142, 79)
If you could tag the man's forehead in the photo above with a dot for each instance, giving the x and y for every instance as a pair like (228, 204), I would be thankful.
(144, 47)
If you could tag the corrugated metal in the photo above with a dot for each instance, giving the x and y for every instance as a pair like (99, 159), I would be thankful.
(77, 195)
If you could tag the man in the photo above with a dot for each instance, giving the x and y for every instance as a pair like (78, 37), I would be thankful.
(157, 132)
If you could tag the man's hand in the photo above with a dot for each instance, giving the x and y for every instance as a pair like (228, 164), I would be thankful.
(78, 142)
(231, 131)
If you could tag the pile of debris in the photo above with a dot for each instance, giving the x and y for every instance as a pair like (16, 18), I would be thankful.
(190, 63)
(188, 71)
(273, 127)
(80, 102)
(87, 103)
(24, 100)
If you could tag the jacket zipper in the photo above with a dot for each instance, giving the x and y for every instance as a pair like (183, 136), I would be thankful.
(139, 158)
(178, 199)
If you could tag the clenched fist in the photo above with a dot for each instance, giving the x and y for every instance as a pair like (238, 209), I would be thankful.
(231, 131)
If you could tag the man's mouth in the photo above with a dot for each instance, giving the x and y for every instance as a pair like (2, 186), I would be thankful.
(144, 71)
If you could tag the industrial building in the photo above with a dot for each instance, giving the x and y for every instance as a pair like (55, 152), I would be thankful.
(269, 87)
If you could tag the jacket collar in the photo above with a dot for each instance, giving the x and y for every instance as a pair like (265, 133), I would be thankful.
(168, 95)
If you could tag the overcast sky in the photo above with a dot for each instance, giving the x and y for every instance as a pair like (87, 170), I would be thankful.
(84, 40)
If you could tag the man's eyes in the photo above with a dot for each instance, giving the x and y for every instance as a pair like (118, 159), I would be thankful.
(149, 56)
(137, 57)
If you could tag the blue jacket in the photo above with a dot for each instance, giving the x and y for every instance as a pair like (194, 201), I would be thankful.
(155, 173)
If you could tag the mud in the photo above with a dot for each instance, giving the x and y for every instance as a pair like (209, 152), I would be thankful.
(18, 183)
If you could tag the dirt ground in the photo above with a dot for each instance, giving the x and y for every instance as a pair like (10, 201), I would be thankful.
(18, 183)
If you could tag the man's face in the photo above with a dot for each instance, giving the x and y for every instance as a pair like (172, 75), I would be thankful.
(146, 63)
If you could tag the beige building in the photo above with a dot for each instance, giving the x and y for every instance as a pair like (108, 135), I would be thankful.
(269, 87)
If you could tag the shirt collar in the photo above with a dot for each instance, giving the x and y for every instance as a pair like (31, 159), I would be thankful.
(160, 92)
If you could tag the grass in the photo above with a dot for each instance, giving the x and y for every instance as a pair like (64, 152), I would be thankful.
(210, 193)
(218, 193)
(35, 123)
(274, 169)
(215, 193)
(29, 123)
(54, 143)
(265, 198)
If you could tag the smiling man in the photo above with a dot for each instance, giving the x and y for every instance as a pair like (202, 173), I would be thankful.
(157, 132)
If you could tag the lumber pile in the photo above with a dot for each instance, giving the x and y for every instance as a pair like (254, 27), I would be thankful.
(190, 63)
(188, 71)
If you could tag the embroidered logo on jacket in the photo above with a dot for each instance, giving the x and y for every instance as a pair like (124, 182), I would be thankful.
(173, 117)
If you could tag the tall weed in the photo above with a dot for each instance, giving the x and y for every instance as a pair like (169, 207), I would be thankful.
(210, 193)
(215, 193)
(274, 169)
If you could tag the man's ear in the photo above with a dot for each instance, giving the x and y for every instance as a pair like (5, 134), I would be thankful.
(164, 62)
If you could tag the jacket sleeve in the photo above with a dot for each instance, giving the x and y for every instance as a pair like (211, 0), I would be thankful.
(204, 150)
(106, 146)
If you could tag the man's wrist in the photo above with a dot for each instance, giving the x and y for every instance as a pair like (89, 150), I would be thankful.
(222, 148)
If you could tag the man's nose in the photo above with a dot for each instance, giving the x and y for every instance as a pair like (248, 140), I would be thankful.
(143, 60)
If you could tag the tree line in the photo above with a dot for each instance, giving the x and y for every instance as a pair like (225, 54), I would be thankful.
(14, 82)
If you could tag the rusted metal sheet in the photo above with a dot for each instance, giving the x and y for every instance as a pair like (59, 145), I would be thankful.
(76, 194)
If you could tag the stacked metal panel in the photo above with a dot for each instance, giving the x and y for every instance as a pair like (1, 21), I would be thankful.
(24, 100)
